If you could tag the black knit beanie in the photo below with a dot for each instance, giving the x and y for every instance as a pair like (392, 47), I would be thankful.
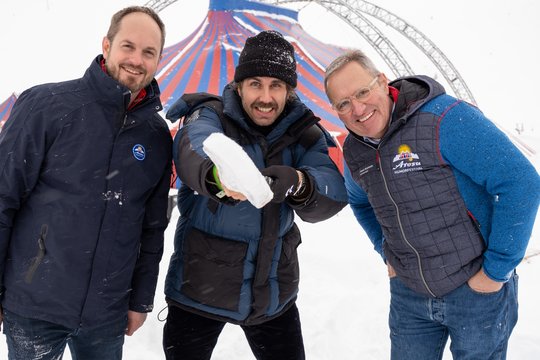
(267, 54)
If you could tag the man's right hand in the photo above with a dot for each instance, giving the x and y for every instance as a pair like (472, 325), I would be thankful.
(391, 271)
(233, 194)
(481, 283)
(1, 317)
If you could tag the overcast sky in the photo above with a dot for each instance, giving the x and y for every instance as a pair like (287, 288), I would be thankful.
(492, 43)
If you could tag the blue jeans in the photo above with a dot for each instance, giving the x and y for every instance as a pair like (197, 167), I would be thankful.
(478, 325)
(38, 339)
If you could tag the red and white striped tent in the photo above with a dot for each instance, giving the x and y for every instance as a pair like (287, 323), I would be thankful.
(5, 109)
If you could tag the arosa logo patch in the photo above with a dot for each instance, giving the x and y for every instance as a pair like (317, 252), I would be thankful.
(139, 152)
(406, 160)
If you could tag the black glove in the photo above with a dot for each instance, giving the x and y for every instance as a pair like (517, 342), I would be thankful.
(284, 180)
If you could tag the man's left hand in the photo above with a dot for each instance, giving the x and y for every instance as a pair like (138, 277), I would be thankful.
(135, 321)
(285, 180)
(481, 283)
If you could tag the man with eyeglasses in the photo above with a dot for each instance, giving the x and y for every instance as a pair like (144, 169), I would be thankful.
(447, 200)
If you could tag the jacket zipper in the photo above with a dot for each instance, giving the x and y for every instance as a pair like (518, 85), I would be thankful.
(401, 225)
(40, 255)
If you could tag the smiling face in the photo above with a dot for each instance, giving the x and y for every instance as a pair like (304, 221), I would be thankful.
(368, 117)
(133, 55)
(263, 98)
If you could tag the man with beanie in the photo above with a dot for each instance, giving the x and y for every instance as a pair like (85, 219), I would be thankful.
(233, 262)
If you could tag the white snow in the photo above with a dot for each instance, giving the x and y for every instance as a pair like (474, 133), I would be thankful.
(344, 298)
(236, 169)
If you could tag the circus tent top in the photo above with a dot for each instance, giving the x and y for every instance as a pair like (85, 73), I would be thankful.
(206, 59)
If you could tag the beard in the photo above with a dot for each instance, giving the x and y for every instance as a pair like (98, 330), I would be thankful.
(133, 82)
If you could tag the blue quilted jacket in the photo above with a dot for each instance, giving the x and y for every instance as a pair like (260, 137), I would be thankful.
(235, 262)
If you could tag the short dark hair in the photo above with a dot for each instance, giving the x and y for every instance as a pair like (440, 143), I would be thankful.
(117, 18)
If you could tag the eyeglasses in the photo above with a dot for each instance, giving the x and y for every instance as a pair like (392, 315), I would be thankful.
(345, 106)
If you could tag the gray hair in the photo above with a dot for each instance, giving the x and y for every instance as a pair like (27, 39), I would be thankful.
(357, 56)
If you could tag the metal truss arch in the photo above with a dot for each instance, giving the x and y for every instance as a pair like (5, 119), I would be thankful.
(159, 5)
(433, 53)
(349, 13)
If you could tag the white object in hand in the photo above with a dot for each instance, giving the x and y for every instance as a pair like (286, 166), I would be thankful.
(236, 170)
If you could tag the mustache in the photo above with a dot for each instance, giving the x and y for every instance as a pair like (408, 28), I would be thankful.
(272, 104)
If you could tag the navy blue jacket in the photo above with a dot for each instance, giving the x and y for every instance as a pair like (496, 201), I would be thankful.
(83, 201)
(238, 263)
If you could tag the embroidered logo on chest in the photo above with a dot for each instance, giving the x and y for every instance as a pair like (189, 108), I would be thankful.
(139, 152)
(406, 160)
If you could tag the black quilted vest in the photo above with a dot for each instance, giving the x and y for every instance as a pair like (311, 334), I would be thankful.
(431, 239)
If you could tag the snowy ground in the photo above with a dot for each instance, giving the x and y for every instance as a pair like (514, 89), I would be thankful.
(343, 299)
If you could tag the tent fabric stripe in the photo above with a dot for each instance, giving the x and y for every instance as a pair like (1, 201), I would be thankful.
(5, 109)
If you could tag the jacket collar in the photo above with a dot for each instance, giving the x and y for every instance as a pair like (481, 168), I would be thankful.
(110, 91)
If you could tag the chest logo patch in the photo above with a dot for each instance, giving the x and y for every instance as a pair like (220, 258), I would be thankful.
(139, 152)
(406, 160)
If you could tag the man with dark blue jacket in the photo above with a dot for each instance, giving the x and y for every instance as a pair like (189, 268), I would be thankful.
(447, 200)
(235, 262)
(84, 181)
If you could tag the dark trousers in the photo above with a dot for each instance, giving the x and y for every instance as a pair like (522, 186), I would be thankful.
(187, 336)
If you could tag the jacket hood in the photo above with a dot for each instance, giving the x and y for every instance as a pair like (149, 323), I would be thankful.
(414, 91)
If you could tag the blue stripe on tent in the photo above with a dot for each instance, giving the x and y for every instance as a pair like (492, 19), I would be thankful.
(229, 5)
(209, 61)
(223, 72)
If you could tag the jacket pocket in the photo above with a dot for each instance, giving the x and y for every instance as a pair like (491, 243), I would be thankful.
(213, 269)
(288, 271)
(40, 255)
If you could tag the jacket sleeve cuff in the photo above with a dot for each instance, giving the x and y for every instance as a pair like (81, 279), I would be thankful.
(504, 279)
(140, 308)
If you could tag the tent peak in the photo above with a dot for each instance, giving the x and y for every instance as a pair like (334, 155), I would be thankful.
(232, 5)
